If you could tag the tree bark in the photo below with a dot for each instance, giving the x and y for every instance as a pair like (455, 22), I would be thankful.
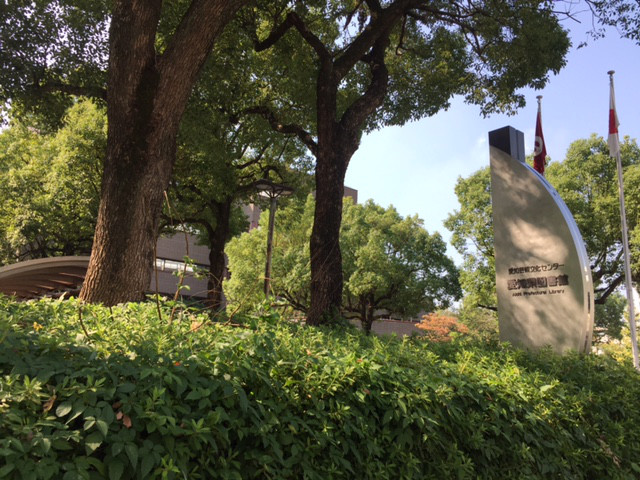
(217, 239)
(332, 159)
(337, 142)
(371, 310)
(338, 137)
(326, 259)
(146, 97)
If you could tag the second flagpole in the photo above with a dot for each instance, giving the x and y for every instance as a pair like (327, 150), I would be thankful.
(613, 130)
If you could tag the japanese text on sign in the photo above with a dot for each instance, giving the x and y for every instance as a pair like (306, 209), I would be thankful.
(545, 267)
(538, 282)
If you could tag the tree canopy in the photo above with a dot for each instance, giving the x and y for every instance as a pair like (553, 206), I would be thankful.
(587, 180)
(51, 51)
(392, 265)
(223, 153)
(623, 15)
(472, 228)
(50, 185)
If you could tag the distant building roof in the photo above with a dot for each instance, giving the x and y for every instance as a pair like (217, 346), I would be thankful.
(43, 276)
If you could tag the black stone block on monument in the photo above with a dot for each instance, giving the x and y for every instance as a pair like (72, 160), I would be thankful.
(509, 140)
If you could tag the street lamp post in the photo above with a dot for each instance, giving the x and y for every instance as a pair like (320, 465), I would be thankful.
(272, 191)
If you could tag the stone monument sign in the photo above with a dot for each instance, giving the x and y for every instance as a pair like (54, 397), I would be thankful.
(543, 278)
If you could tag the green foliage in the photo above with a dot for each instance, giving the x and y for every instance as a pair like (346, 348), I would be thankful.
(632, 203)
(46, 44)
(620, 350)
(430, 56)
(624, 15)
(472, 228)
(144, 398)
(482, 322)
(610, 318)
(222, 152)
(391, 264)
(50, 185)
(247, 257)
(290, 272)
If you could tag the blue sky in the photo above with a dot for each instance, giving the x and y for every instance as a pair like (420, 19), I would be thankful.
(415, 167)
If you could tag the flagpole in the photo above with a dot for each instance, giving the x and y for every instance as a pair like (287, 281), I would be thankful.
(540, 150)
(625, 244)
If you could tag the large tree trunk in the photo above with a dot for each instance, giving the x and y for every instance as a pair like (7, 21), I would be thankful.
(370, 315)
(326, 259)
(337, 142)
(146, 97)
(331, 167)
(217, 262)
(122, 255)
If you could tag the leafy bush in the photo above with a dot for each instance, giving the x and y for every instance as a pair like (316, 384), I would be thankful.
(142, 397)
(440, 327)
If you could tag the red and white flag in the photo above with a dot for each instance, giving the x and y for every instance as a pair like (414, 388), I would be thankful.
(613, 141)
(614, 151)
(540, 150)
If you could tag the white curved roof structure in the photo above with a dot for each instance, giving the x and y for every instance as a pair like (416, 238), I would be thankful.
(53, 276)
(43, 276)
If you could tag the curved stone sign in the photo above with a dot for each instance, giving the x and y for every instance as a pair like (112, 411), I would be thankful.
(543, 278)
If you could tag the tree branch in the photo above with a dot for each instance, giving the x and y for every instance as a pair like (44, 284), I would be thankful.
(254, 160)
(352, 13)
(426, 14)
(613, 267)
(291, 129)
(294, 302)
(189, 48)
(382, 20)
(609, 290)
(293, 20)
(374, 5)
(372, 98)
(488, 307)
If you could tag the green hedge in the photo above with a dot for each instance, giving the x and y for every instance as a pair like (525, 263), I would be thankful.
(144, 397)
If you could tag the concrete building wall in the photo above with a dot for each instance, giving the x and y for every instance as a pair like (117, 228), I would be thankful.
(176, 246)
(352, 193)
(252, 211)
(170, 253)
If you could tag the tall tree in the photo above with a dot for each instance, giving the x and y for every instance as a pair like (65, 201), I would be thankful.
(50, 185)
(147, 94)
(222, 155)
(587, 182)
(392, 265)
(214, 175)
(372, 63)
(472, 228)
(150, 75)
